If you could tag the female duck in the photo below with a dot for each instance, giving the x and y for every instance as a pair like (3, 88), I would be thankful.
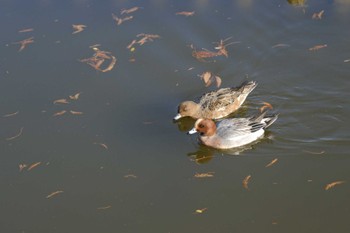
(230, 133)
(216, 104)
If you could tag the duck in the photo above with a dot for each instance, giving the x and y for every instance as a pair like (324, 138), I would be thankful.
(216, 104)
(234, 132)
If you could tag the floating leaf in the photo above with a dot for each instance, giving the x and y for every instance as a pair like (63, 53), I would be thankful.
(317, 47)
(104, 207)
(130, 10)
(102, 145)
(24, 43)
(78, 28)
(10, 114)
(60, 113)
(318, 15)
(33, 166)
(22, 166)
(246, 181)
(75, 97)
(201, 211)
(218, 81)
(75, 112)
(204, 175)
(331, 185)
(130, 176)
(119, 21)
(272, 162)
(16, 136)
(61, 101)
(54, 193)
(26, 30)
(185, 13)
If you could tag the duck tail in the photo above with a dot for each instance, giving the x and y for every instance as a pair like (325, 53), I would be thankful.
(269, 119)
(247, 87)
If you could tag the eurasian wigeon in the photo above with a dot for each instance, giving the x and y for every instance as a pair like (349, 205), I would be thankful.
(235, 132)
(216, 104)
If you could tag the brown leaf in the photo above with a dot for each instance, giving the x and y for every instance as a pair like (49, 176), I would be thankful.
(130, 10)
(33, 166)
(206, 77)
(185, 13)
(22, 166)
(204, 175)
(266, 105)
(54, 194)
(318, 15)
(317, 47)
(75, 112)
(201, 211)
(26, 30)
(102, 145)
(75, 97)
(272, 162)
(61, 101)
(246, 181)
(10, 114)
(16, 136)
(24, 43)
(78, 28)
(60, 113)
(218, 81)
(331, 185)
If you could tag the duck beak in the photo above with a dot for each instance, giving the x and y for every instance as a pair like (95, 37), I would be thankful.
(192, 131)
(178, 116)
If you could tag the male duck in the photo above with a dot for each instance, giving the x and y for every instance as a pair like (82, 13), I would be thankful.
(216, 104)
(230, 133)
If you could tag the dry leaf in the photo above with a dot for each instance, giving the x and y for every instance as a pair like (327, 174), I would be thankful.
(16, 136)
(22, 166)
(318, 15)
(200, 211)
(185, 13)
(26, 30)
(60, 113)
(102, 145)
(99, 58)
(119, 21)
(104, 207)
(331, 185)
(10, 114)
(130, 10)
(272, 162)
(61, 101)
(204, 175)
(75, 112)
(78, 28)
(33, 166)
(130, 176)
(206, 77)
(317, 47)
(280, 45)
(75, 97)
(24, 43)
(246, 181)
(218, 81)
(266, 105)
(54, 194)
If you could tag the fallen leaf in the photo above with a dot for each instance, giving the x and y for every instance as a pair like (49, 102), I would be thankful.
(24, 43)
(266, 105)
(78, 28)
(75, 97)
(75, 112)
(130, 176)
(331, 185)
(272, 162)
(318, 15)
(22, 166)
(16, 136)
(60, 113)
(119, 21)
(317, 47)
(185, 13)
(26, 30)
(280, 45)
(61, 101)
(206, 77)
(33, 166)
(130, 10)
(200, 211)
(204, 175)
(54, 194)
(246, 181)
(10, 114)
(314, 152)
(99, 58)
(102, 145)
(104, 207)
(218, 81)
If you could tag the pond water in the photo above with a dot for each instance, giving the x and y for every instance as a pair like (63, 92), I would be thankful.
(118, 162)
